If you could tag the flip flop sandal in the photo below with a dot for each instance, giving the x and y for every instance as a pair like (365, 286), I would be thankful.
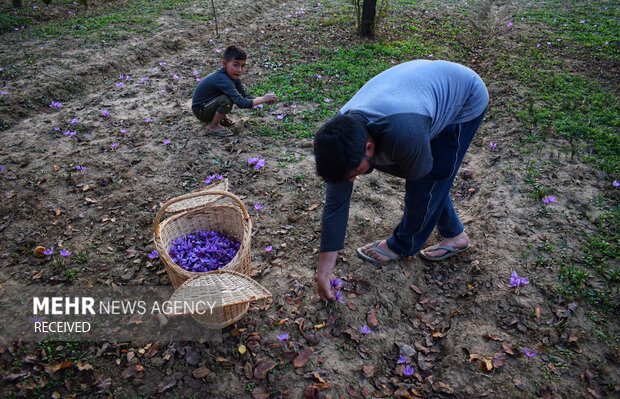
(219, 133)
(451, 251)
(375, 247)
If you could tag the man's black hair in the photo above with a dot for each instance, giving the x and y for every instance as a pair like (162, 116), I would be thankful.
(234, 53)
(339, 147)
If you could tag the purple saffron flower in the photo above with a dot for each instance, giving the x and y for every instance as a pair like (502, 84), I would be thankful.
(509, 24)
(259, 106)
(74, 121)
(3, 92)
(493, 145)
(280, 117)
(175, 77)
(408, 371)
(55, 104)
(198, 80)
(56, 129)
(335, 283)
(162, 63)
(70, 133)
(120, 85)
(328, 100)
(402, 359)
(164, 91)
(365, 329)
(147, 119)
(1, 168)
(338, 295)
(144, 79)
(294, 106)
(318, 76)
(195, 73)
(259, 164)
(114, 146)
(48, 251)
(268, 248)
(258, 206)
(166, 142)
(65, 253)
(537, 45)
(105, 113)
(529, 352)
(123, 131)
(616, 183)
(252, 161)
(121, 77)
(550, 199)
(516, 281)
(153, 255)
(80, 168)
(283, 336)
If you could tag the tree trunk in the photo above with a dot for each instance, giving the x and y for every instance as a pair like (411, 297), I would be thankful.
(17, 4)
(369, 11)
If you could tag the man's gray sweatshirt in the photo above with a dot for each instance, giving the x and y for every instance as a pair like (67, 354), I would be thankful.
(404, 108)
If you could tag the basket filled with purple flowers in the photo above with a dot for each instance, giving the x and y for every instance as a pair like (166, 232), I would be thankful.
(209, 230)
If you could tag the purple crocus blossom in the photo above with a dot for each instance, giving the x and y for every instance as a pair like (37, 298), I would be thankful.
(175, 77)
(259, 164)
(153, 254)
(616, 183)
(1, 168)
(210, 179)
(120, 85)
(123, 131)
(335, 283)
(166, 142)
(56, 129)
(402, 359)
(80, 168)
(144, 79)
(252, 161)
(328, 100)
(493, 145)
(280, 117)
(3, 92)
(49, 251)
(549, 199)
(338, 295)
(70, 133)
(509, 24)
(258, 206)
(195, 73)
(74, 121)
(65, 253)
(365, 329)
(148, 119)
(105, 113)
(408, 371)
(55, 104)
(529, 352)
(114, 146)
(516, 281)
(203, 251)
(283, 336)
(268, 248)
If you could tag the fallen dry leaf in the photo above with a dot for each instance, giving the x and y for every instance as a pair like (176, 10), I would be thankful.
(262, 368)
(508, 348)
(302, 358)
(352, 392)
(201, 372)
(368, 370)
(260, 393)
(53, 368)
(371, 319)
(499, 359)
(167, 383)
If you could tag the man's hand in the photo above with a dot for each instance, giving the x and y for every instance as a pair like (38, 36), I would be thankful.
(324, 275)
(270, 98)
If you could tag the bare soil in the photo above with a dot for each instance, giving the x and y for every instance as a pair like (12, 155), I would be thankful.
(460, 324)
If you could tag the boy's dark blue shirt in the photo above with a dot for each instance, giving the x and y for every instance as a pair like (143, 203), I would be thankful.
(217, 83)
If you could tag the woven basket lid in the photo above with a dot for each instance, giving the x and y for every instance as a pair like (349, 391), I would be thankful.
(224, 287)
(191, 203)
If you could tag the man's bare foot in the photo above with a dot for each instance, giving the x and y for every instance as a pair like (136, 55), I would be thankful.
(218, 131)
(446, 248)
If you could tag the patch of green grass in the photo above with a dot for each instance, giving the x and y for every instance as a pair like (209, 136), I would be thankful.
(110, 23)
(591, 26)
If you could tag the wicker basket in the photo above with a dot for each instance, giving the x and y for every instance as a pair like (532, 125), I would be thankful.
(230, 292)
(208, 210)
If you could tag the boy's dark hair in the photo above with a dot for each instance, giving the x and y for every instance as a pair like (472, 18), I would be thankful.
(339, 147)
(234, 53)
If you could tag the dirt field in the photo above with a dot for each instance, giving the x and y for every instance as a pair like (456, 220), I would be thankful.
(460, 325)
